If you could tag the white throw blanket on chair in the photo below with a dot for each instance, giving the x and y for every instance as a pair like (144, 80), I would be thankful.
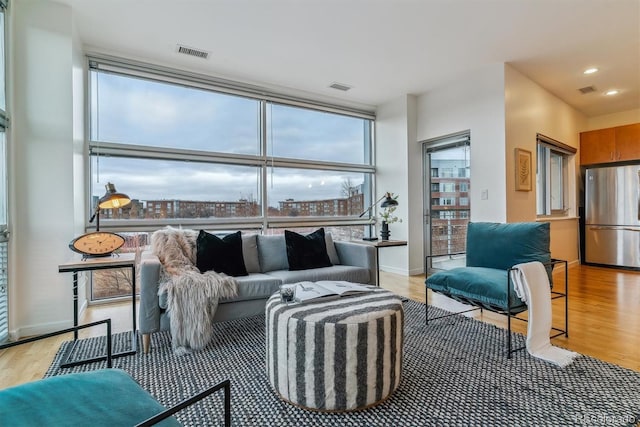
(531, 284)
(192, 297)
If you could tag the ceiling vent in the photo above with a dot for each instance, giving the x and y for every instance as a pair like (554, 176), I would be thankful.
(587, 89)
(193, 52)
(340, 86)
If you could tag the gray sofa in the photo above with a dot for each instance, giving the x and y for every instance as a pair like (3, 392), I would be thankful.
(265, 258)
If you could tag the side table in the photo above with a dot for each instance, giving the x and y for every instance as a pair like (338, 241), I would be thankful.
(380, 244)
(124, 260)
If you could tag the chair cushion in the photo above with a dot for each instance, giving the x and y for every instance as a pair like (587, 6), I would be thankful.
(487, 286)
(502, 246)
(107, 397)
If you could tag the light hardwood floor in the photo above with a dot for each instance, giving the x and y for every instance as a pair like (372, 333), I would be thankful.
(604, 320)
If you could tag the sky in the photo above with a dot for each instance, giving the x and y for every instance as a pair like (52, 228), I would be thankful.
(148, 113)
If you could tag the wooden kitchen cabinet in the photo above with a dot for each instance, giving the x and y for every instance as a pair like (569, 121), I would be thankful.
(628, 142)
(617, 144)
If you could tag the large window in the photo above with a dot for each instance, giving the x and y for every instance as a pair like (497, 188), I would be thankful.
(299, 133)
(552, 177)
(130, 110)
(197, 152)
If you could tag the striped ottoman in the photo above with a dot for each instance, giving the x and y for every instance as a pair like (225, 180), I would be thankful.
(338, 355)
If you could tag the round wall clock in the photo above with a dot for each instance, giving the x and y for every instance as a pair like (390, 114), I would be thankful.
(96, 244)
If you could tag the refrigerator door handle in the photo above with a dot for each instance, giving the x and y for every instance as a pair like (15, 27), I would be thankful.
(638, 195)
(605, 227)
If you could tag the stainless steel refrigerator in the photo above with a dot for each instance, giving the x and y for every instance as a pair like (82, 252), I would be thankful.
(612, 223)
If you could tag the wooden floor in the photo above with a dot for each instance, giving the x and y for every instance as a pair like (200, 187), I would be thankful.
(604, 320)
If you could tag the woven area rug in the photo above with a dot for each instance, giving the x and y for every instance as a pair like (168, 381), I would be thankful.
(455, 373)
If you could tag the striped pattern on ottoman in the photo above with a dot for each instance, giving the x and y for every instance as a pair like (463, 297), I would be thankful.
(337, 355)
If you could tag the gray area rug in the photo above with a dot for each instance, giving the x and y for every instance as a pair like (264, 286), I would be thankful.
(454, 374)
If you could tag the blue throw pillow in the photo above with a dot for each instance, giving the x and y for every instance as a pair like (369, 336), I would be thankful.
(220, 255)
(305, 252)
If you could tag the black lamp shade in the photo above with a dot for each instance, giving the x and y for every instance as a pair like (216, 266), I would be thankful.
(388, 201)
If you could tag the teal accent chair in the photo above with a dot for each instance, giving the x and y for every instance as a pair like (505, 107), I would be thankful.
(485, 283)
(104, 397)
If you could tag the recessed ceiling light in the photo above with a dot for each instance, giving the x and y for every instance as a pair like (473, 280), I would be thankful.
(590, 70)
(611, 92)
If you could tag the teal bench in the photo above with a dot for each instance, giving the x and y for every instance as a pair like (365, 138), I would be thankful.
(104, 397)
(485, 283)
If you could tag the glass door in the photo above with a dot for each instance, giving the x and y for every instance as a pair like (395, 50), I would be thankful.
(447, 205)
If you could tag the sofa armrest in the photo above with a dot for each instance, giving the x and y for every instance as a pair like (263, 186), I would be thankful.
(358, 255)
(149, 284)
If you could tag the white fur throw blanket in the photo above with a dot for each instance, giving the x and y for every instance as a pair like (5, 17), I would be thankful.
(192, 297)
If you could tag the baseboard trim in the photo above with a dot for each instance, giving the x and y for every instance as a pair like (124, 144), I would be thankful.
(43, 328)
(394, 270)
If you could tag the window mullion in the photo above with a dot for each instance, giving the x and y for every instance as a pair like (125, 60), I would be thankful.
(264, 167)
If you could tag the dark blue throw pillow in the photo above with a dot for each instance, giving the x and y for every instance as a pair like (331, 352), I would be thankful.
(304, 252)
(220, 255)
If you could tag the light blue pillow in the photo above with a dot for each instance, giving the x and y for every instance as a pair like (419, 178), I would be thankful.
(331, 249)
(250, 253)
(272, 252)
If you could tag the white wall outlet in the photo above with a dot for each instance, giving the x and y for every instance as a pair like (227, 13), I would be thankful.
(484, 195)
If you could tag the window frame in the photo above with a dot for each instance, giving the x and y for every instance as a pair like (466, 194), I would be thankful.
(262, 160)
(546, 149)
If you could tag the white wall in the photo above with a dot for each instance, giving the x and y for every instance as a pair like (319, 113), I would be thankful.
(392, 136)
(80, 213)
(530, 109)
(42, 209)
(613, 120)
(475, 103)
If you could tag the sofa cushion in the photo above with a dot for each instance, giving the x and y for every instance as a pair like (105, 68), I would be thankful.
(254, 286)
(485, 285)
(220, 255)
(304, 252)
(272, 253)
(250, 253)
(502, 246)
(335, 272)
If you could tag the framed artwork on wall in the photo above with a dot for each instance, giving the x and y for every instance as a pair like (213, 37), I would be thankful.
(523, 170)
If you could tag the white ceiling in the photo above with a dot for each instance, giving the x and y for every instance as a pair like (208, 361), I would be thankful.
(382, 48)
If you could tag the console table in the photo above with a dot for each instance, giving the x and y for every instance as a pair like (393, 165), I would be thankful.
(380, 244)
(124, 260)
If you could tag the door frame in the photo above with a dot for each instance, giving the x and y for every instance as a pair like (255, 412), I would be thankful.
(445, 142)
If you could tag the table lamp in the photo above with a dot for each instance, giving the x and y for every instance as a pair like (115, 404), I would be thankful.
(388, 201)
